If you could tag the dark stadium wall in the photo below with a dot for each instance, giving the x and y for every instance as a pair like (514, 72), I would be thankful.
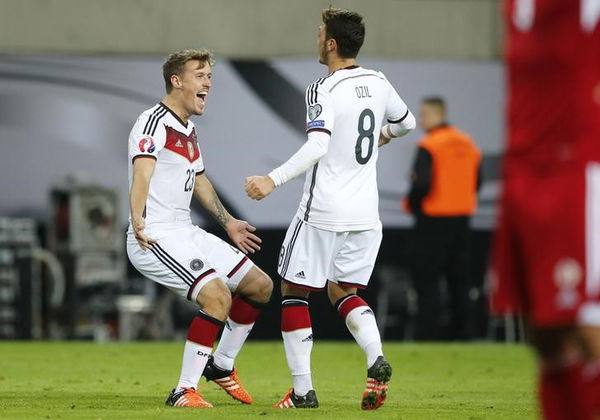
(394, 252)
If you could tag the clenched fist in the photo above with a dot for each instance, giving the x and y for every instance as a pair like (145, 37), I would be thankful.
(258, 187)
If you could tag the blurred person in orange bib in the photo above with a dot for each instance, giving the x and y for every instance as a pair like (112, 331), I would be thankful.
(443, 195)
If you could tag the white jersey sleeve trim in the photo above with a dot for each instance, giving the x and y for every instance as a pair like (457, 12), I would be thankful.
(400, 120)
(147, 136)
(400, 127)
(320, 113)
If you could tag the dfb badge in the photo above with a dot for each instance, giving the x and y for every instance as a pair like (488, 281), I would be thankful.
(146, 145)
(314, 111)
(191, 151)
(196, 265)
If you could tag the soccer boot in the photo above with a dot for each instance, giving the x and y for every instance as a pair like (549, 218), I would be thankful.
(187, 397)
(378, 377)
(291, 400)
(228, 380)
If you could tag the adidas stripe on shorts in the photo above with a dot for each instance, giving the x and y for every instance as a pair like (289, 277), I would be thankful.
(311, 256)
(186, 257)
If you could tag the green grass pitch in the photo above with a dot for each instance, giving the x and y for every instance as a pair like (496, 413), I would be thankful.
(76, 380)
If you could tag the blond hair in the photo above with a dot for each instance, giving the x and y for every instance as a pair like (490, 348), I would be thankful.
(175, 62)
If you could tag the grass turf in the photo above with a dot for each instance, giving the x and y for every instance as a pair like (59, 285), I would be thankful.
(127, 381)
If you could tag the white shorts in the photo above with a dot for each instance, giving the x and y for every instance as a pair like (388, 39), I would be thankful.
(310, 256)
(185, 258)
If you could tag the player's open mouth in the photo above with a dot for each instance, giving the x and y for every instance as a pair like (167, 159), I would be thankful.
(202, 96)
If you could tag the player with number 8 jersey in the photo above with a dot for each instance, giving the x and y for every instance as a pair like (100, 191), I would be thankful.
(346, 109)
(335, 235)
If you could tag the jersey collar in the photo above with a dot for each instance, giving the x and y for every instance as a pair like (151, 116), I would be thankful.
(352, 67)
(185, 124)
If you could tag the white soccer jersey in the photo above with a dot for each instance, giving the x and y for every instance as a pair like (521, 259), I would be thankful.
(161, 134)
(351, 104)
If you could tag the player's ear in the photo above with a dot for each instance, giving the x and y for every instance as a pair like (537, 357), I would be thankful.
(331, 45)
(176, 81)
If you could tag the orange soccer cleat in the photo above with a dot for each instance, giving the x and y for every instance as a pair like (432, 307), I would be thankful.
(228, 380)
(291, 400)
(187, 397)
(378, 377)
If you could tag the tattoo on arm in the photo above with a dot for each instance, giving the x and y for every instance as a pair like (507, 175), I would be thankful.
(207, 196)
(220, 214)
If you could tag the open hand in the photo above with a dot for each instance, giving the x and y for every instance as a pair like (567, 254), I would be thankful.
(138, 229)
(240, 232)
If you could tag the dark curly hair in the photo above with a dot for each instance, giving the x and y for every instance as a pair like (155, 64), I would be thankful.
(347, 28)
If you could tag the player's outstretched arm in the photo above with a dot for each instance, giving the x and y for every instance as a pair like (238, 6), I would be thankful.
(143, 168)
(239, 231)
(258, 187)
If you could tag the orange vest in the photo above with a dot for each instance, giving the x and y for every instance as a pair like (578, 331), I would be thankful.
(455, 165)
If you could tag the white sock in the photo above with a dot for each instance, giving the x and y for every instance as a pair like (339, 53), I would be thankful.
(298, 346)
(302, 384)
(373, 351)
(233, 338)
(361, 324)
(195, 357)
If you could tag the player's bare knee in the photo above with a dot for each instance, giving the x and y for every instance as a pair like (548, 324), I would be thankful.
(258, 290)
(219, 304)
(335, 292)
(257, 286)
(267, 287)
(288, 290)
(263, 289)
(215, 299)
(331, 293)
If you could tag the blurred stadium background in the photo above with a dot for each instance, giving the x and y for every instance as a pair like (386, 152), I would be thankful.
(74, 75)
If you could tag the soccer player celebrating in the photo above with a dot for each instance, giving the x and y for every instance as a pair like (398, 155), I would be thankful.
(165, 170)
(547, 250)
(334, 238)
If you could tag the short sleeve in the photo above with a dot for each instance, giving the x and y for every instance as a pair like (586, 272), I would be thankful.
(199, 162)
(396, 110)
(320, 113)
(144, 141)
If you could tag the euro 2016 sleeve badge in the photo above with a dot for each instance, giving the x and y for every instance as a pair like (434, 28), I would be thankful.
(146, 145)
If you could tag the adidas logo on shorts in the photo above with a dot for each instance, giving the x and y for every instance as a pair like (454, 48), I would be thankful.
(307, 339)
(300, 275)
